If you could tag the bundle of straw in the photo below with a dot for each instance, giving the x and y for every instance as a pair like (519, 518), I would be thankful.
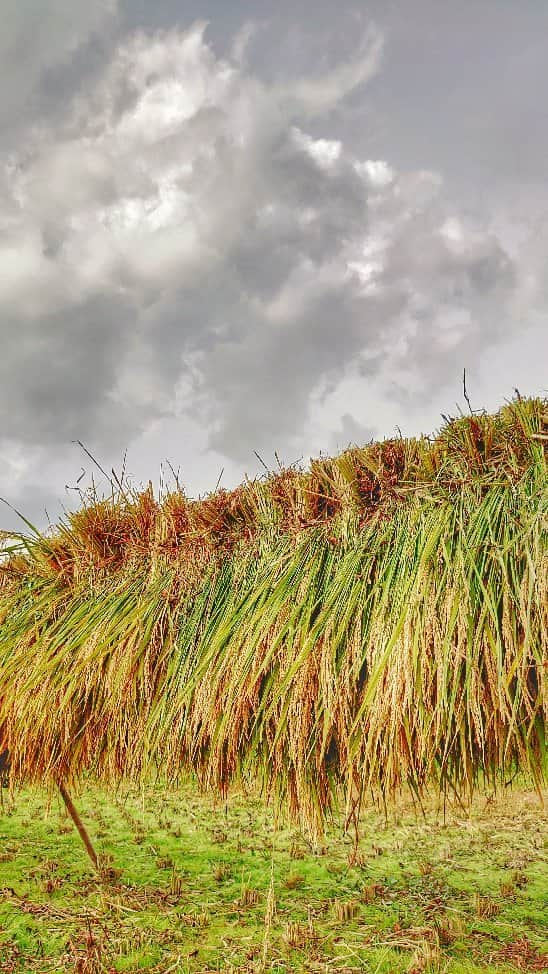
(376, 622)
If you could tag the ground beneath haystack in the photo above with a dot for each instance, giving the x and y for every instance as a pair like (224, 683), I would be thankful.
(198, 888)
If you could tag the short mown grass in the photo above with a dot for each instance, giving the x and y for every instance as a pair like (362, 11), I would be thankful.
(192, 887)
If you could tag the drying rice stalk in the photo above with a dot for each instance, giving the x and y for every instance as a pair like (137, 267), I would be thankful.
(378, 622)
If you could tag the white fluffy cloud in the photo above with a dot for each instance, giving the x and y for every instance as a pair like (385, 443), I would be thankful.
(179, 243)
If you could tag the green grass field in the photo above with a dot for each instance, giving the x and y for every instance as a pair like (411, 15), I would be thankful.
(192, 887)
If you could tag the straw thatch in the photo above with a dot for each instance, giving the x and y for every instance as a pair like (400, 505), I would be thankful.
(378, 621)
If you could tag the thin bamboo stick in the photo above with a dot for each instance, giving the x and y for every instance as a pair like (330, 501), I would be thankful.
(82, 831)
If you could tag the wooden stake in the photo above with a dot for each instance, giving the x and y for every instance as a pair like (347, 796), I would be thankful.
(79, 825)
(4, 775)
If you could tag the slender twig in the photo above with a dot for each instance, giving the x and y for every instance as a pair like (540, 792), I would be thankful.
(260, 459)
(113, 483)
(82, 831)
(466, 392)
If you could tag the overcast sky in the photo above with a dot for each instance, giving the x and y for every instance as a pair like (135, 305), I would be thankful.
(231, 226)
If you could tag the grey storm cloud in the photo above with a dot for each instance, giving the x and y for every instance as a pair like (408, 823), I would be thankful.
(182, 236)
(180, 212)
(38, 43)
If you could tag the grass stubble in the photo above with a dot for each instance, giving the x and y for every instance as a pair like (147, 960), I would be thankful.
(188, 886)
